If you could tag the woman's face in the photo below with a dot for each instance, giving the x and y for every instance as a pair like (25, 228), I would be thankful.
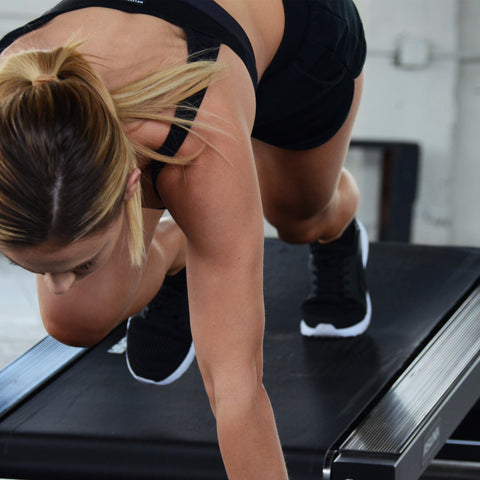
(63, 266)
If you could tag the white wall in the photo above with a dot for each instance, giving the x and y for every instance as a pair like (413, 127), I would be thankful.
(466, 202)
(14, 14)
(435, 104)
(414, 102)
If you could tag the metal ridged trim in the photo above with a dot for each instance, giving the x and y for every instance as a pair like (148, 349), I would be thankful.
(32, 369)
(423, 385)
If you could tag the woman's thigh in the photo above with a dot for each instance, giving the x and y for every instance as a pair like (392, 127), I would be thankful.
(299, 184)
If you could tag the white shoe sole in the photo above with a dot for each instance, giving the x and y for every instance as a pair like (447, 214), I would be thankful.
(182, 368)
(327, 329)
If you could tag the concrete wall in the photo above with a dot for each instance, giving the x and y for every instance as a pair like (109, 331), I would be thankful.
(14, 14)
(466, 201)
(427, 95)
(415, 99)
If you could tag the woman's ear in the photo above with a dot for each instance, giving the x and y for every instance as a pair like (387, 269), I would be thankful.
(133, 183)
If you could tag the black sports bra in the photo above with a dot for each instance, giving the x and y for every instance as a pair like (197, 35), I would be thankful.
(204, 16)
(206, 25)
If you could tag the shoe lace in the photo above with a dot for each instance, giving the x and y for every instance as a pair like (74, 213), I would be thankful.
(331, 274)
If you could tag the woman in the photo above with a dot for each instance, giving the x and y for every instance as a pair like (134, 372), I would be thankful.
(157, 105)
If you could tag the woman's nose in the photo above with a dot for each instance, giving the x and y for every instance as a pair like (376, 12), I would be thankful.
(59, 283)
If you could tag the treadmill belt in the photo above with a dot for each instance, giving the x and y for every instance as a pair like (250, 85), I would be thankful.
(94, 419)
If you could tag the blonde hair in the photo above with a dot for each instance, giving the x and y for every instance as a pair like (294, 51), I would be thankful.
(64, 155)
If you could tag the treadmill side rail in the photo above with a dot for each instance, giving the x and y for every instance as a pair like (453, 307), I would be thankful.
(30, 371)
(404, 431)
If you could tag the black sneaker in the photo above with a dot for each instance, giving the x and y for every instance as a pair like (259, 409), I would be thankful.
(339, 304)
(159, 341)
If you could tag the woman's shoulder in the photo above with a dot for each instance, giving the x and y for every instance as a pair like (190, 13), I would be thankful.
(123, 47)
(263, 22)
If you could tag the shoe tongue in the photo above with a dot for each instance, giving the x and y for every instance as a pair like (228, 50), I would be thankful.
(348, 236)
(341, 246)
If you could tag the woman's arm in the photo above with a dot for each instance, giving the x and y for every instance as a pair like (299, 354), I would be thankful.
(216, 201)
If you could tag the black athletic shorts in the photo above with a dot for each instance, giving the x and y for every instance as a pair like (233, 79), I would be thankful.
(306, 93)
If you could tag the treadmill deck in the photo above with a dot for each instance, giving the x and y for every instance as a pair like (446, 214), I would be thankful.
(94, 419)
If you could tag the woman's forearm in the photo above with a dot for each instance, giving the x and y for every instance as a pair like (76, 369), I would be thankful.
(248, 438)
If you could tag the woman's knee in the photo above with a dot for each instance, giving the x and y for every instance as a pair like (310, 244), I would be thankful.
(326, 222)
(298, 232)
(298, 219)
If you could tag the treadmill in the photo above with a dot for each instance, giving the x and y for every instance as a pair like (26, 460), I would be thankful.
(380, 406)
(392, 404)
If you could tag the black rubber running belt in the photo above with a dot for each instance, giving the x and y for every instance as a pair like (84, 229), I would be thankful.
(94, 419)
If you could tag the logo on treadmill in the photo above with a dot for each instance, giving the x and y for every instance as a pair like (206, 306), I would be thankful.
(430, 442)
(136, 1)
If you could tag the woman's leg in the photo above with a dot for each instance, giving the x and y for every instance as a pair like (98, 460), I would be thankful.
(308, 195)
(90, 310)
(310, 198)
